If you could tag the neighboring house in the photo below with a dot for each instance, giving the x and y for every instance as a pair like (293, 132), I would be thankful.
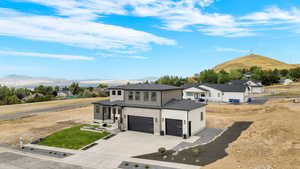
(64, 93)
(255, 87)
(152, 108)
(286, 81)
(237, 93)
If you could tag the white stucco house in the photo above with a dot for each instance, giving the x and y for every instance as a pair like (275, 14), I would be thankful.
(230, 92)
(151, 108)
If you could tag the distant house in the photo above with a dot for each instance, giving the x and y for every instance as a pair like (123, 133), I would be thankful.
(231, 92)
(286, 81)
(64, 93)
(255, 87)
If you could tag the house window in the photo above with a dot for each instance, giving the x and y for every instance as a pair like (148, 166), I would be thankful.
(201, 116)
(119, 92)
(137, 95)
(97, 109)
(130, 96)
(209, 94)
(146, 96)
(219, 95)
(153, 96)
(202, 95)
(113, 92)
(189, 94)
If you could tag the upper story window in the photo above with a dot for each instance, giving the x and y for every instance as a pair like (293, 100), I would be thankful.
(146, 96)
(97, 109)
(130, 96)
(153, 96)
(113, 92)
(137, 95)
(119, 92)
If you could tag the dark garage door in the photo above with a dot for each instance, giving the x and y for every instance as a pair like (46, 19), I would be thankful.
(142, 124)
(174, 127)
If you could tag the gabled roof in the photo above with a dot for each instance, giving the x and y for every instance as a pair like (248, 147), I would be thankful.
(227, 87)
(195, 85)
(152, 87)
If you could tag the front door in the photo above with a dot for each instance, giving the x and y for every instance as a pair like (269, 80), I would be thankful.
(190, 128)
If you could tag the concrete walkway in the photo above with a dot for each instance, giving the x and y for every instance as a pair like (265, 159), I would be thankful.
(205, 136)
(35, 112)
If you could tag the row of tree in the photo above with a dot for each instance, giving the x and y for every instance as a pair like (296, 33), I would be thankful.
(267, 77)
(46, 93)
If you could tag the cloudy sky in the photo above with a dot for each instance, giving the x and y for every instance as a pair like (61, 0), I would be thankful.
(128, 39)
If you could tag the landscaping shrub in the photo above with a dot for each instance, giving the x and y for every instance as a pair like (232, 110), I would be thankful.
(162, 150)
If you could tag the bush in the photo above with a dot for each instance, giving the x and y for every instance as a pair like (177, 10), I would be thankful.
(136, 166)
(162, 150)
(147, 166)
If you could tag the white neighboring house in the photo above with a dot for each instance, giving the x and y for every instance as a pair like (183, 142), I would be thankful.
(235, 93)
(254, 86)
(64, 93)
(286, 81)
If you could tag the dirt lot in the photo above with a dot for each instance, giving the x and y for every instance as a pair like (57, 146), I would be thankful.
(43, 105)
(41, 125)
(271, 142)
(292, 89)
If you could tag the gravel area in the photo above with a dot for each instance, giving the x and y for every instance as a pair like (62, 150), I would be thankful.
(133, 165)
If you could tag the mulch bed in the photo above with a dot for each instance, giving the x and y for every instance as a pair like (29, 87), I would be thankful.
(204, 154)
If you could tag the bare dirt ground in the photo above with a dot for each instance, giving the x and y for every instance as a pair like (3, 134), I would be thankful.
(292, 89)
(41, 125)
(271, 142)
(8, 109)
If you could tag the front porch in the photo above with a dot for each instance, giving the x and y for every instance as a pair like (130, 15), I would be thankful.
(108, 116)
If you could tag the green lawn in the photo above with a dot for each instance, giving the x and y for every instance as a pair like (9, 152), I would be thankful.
(72, 138)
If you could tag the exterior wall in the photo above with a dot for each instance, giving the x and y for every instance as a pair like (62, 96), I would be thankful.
(214, 95)
(116, 97)
(141, 101)
(234, 95)
(195, 117)
(174, 114)
(194, 91)
(171, 94)
(256, 89)
(155, 113)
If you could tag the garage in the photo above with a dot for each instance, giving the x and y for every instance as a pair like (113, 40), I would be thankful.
(141, 124)
(174, 127)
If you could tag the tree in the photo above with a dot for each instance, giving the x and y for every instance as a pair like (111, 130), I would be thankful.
(284, 72)
(208, 76)
(223, 77)
(295, 73)
(74, 88)
(171, 80)
(102, 86)
(21, 93)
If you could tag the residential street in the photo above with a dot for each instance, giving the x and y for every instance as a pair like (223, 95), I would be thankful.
(52, 109)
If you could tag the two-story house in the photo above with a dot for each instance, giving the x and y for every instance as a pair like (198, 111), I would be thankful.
(151, 108)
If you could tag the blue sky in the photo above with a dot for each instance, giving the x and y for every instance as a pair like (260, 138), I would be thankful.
(131, 39)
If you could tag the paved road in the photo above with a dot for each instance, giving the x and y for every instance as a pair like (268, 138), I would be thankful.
(9, 160)
(39, 111)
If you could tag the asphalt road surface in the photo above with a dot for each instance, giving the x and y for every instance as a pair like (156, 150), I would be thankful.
(39, 111)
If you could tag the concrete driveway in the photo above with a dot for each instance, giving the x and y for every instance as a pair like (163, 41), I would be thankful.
(108, 154)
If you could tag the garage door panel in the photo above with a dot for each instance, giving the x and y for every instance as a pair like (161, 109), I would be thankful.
(174, 127)
(141, 124)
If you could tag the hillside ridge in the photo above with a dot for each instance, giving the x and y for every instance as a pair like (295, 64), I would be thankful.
(248, 61)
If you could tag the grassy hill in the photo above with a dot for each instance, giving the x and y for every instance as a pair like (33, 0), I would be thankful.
(254, 60)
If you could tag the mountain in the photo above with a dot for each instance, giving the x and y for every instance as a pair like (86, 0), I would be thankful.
(248, 61)
(31, 82)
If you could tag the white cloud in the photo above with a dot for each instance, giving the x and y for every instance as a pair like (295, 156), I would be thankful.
(45, 55)
(79, 33)
(274, 13)
(176, 15)
(205, 3)
(137, 57)
(232, 50)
